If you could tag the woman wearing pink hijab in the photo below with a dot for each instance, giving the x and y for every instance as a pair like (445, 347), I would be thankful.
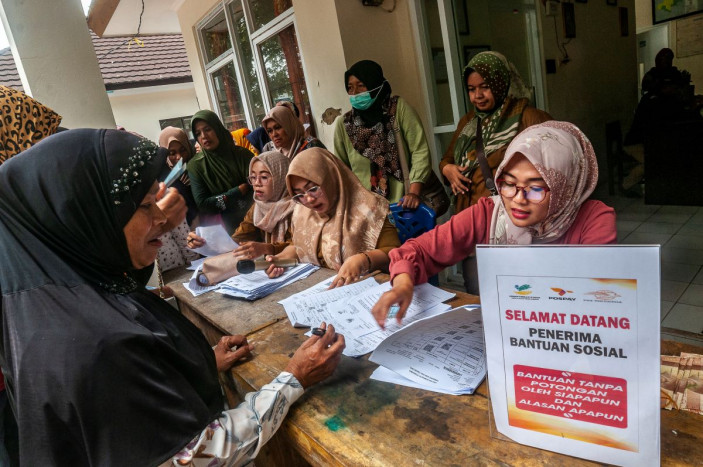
(544, 182)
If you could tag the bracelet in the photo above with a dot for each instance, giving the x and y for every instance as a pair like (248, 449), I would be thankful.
(368, 259)
(221, 202)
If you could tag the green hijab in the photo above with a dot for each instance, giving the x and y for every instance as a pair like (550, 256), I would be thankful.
(218, 169)
(500, 124)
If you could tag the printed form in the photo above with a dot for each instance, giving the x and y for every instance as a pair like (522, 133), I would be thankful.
(445, 353)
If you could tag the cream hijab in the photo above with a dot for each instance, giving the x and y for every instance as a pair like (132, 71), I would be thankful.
(564, 157)
(273, 217)
(355, 217)
(171, 133)
(285, 117)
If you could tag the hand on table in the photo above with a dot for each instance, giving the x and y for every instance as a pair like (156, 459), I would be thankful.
(251, 250)
(172, 205)
(401, 294)
(457, 180)
(231, 349)
(194, 241)
(317, 357)
(351, 271)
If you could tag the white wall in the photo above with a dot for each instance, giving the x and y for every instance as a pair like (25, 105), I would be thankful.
(599, 83)
(141, 109)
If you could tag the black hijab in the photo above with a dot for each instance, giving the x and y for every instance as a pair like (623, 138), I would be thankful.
(371, 74)
(98, 370)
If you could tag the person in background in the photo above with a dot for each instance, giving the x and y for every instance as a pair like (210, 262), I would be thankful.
(544, 182)
(218, 173)
(265, 229)
(240, 139)
(337, 223)
(138, 382)
(501, 106)
(364, 138)
(287, 133)
(179, 147)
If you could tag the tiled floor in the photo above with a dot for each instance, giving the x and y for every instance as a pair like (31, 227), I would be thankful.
(679, 230)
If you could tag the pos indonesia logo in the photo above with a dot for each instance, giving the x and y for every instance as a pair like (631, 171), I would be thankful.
(604, 296)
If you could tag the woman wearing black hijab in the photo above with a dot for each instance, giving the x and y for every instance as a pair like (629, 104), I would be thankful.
(364, 139)
(99, 371)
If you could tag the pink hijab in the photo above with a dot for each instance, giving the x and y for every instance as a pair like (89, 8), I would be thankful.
(564, 157)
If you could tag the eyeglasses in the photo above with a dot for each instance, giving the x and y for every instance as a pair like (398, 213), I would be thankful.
(533, 194)
(264, 179)
(313, 192)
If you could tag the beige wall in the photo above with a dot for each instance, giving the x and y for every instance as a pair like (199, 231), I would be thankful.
(140, 110)
(387, 38)
(599, 83)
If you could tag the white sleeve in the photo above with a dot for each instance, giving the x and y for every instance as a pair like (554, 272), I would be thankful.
(236, 436)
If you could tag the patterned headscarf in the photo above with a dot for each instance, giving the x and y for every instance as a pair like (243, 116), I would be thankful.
(499, 125)
(24, 122)
(240, 139)
(273, 216)
(354, 220)
(371, 131)
(565, 159)
(293, 127)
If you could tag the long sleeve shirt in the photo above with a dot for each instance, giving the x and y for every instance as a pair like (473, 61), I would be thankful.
(237, 435)
(451, 242)
(416, 149)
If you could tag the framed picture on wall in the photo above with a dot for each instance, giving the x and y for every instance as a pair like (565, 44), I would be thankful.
(471, 50)
(666, 10)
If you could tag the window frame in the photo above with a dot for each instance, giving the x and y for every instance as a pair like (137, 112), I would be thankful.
(233, 55)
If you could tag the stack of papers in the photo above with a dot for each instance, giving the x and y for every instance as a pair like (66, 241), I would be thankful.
(443, 353)
(251, 286)
(257, 284)
(348, 309)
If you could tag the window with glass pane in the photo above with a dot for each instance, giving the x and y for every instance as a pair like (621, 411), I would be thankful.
(284, 71)
(228, 100)
(263, 11)
(246, 57)
(216, 37)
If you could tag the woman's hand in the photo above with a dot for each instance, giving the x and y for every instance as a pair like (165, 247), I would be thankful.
(288, 252)
(317, 357)
(459, 183)
(194, 241)
(410, 201)
(231, 349)
(251, 250)
(351, 271)
(173, 205)
(401, 294)
(244, 188)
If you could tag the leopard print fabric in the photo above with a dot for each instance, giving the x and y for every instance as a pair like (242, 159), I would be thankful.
(24, 122)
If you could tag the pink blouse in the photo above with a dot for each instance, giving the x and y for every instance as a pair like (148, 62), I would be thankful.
(451, 242)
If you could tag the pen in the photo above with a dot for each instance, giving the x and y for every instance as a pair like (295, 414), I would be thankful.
(318, 332)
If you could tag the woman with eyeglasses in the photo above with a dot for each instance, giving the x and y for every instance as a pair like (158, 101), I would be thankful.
(365, 137)
(544, 182)
(218, 173)
(265, 229)
(336, 223)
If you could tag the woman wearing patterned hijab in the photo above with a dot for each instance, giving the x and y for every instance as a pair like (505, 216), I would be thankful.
(501, 106)
(365, 141)
(544, 182)
(501, 103)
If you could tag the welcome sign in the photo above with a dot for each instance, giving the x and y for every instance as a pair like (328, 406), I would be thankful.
(572, 341)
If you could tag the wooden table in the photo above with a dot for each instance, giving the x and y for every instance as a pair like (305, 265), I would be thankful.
(352, 420)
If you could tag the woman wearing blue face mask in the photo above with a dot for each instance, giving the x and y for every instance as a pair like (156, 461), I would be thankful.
(364, 138)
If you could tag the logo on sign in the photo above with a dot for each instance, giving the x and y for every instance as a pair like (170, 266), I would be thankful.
(604, 295)
(561, 292)
(523, 289)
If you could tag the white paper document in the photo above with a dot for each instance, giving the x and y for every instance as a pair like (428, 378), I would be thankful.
(444, 352)
(257, 284)
(217, 240)
(385, 375)
(308, 309)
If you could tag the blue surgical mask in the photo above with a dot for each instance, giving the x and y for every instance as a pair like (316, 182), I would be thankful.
(363, 100)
